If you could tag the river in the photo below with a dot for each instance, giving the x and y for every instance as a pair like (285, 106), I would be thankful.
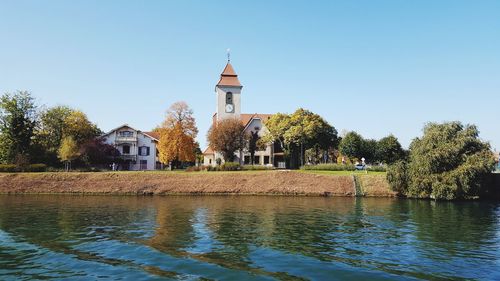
(66, 237)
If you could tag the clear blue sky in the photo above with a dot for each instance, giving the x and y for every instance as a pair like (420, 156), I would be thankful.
(376, 67)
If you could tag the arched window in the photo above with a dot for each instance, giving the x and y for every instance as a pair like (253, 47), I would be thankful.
(229, 98)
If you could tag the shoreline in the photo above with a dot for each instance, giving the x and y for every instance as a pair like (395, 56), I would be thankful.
(283, 183)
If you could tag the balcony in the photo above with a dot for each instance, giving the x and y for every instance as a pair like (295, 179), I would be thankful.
(126, 138)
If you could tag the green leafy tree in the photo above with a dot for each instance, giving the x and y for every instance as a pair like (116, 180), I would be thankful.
(17, 124)
(369, 150)
(254, 144)
(79, 127)
(299, 132)
(448, 162)
(351, 145)
(50, 131)
(68, 151)
(389, 150)
(227, 137)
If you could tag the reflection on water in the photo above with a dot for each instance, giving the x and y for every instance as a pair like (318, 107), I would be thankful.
(246, 238)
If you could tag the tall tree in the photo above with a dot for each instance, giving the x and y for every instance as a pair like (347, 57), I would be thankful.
(351, 145)
(227, 137)
(177, 135)
(78, 126)
(17, 124)
(389, 150)
(50, 130)
(253, 145)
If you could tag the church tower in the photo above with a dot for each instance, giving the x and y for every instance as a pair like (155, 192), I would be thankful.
(228, 93)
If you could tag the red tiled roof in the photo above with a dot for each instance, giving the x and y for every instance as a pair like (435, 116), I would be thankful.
(229, 77)
(208, 151)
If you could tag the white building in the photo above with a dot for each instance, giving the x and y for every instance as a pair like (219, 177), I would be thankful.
(138, 149)
(228, 105)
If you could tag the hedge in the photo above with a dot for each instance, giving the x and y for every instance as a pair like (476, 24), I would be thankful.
(11, 168)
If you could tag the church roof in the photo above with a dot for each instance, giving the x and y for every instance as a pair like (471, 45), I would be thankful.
(245, 121)
(247, 118)
(229, 77)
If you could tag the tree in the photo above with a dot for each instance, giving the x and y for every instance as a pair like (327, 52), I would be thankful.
(389, 150)
(49, 132)
(17, 124)
(180, 113)
(227, 136)
(97, 152)
(448, 162)
(351, 145)
(369, 150)
(177, 135)
(254, 144)
(78, 126)
(298, 132)
(68, 151)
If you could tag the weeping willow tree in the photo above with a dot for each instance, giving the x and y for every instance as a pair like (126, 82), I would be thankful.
(448, 162)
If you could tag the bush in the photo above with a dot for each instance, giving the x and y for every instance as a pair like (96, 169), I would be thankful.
(230, 166)
(37, 168)
(397, 177)
(376, 168)
(11, 168)
(7, 168)
(329, 167)
(256, 168)
(197, 168)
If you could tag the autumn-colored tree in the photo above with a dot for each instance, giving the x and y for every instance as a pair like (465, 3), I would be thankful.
(227, 136)
(177, 135)
(68, 151)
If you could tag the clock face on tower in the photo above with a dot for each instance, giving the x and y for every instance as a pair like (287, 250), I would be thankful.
(229, 107)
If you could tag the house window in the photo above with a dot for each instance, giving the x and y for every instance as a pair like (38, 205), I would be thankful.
(210, 161)
(229, 98)
(144, 150)
(143, 164)
(126, 134)
(266, 160)
(246, 160)
(126, 149)
(256, 160)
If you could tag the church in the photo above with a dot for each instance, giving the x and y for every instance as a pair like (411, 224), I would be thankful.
(228, 105)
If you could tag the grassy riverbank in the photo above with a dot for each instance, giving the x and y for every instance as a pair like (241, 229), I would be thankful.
(311, 183)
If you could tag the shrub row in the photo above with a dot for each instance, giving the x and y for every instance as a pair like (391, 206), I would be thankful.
(329, 167)
(341, 167)
(256, 168)
(11, 168)
(377, 169)
(228, 166)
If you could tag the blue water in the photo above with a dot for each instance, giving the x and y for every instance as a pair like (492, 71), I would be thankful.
(246, 238)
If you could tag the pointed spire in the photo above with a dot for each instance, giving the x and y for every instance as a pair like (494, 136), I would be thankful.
(228, 76)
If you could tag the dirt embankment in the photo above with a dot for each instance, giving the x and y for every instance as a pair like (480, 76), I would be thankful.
(267, 182)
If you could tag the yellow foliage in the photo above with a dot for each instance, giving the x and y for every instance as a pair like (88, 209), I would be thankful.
(174, 144)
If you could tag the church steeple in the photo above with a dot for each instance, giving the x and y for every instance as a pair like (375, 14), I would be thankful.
(229, 77)
(228, 93)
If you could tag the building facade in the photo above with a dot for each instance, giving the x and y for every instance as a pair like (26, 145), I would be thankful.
(138, 150)
(228, 105)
